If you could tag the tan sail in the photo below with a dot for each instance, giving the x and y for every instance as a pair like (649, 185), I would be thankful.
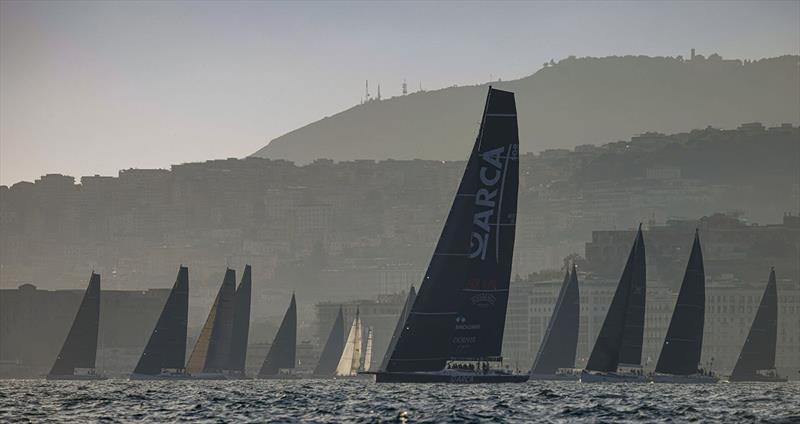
(351, 356)
(197, 360)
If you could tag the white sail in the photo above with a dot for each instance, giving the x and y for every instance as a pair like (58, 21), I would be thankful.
(368, 352)
(352, 350)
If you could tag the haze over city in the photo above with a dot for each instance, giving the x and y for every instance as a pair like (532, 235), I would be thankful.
(95, 87)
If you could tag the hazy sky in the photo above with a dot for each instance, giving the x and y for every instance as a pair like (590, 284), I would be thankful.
(93, 87)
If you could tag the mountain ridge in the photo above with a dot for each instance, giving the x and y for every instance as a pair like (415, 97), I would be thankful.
(575, 101)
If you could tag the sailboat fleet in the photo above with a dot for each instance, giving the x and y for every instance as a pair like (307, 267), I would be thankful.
(451, 330)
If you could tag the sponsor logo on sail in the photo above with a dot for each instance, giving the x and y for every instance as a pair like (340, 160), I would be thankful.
(490, 174)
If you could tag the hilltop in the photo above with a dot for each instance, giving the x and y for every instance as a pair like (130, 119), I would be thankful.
(575, 101)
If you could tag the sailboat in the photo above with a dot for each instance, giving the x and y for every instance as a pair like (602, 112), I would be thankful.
(617, 352)
(679, 361)
(211, 353)
(164, 356)
(241, 326)
(556, 357)
(350, 361)
(757, 360)
(280, 360)
(76, 360)
(412, 295)
(334, 346)
(454, 331)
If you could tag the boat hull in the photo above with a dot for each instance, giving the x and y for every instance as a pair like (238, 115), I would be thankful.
(449, 377)
(758, 379)
(77, 377)
(555, 377)
(279, 377)
(683, 379)
(611, 377)
(141, 377)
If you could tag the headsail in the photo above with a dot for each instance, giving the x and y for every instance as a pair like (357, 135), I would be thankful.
(334, 346)
(241, 323)
(460, 309)
(560, 342)
(80, 347)
(166, 348)
(680, 354)
(608, 346)
(212, 350)
(283, 351)
(758, 352)
(350, 361)
(401, 321)
(368, 352)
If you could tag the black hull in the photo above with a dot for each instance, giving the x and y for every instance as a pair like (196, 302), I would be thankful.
(431, 377)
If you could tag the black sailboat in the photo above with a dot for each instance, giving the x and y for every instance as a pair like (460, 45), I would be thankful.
(211, 353)
(455, 328)
(623, 328)
(556, 357)
(412, 295)
(76, 360)
(757, 360)
(679, 360)
(280, 360)
(165, 354)
(333, 349)
(241, 325)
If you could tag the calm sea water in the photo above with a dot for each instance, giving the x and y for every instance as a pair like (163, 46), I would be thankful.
(359, 401)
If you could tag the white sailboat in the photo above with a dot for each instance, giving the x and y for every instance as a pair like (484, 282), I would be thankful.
(350, 361)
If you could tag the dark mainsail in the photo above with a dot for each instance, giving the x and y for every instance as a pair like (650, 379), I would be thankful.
(412, 295)
(758, 352)
(166, 348)
(460, 308)
(282, 352)
(631, 352)
(609, 344)
(80, 347)
(560, 342)
(212, 350)
(680, 354)
(333, 347)
(241, 323)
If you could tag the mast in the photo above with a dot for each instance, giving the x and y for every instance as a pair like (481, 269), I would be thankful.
(368, 351)
(241, 323)
(467, 280)
(283, 351)
(412, 295)
(560, 342)
(680, 354)
(212, 350)
(80, 347)
(333, 349)
(758, 352)
(166, 348)
(608, 346)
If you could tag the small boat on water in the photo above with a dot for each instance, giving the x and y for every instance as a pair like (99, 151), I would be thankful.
(616, 356)
(281, 358)
(556, 357)
(164, 356)
(352, 363)
(454, 330)
(76, 360)
(679, 361)
(211, 354)
(757, 359)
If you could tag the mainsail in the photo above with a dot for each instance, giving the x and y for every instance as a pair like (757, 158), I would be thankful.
(211, 352)
(80, 347)
(680, 354)
(460, 309)
(368, 352)
(609, 344)
(758, 352)
(334, 346)
(412, 295)
(630, 353)
(350, 361)
(282, 353)
(166, 348)
(241, 323)
(560, 342)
